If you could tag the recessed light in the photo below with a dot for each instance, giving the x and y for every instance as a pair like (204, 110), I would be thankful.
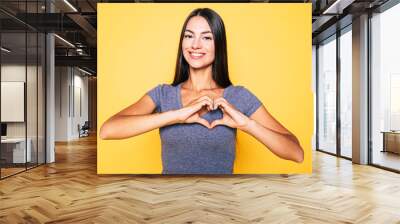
(64, 40)
(5, 50)
(70, 5)
(84, 71)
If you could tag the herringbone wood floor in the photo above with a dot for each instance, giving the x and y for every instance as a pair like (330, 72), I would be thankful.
(70, 191)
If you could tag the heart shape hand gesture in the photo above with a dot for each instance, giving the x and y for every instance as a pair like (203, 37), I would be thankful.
(231, 116)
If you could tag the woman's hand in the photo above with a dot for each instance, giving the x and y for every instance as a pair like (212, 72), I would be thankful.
(191, 112)
(231, 116)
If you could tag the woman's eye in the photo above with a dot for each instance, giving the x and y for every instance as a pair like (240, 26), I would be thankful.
(207, 38)
(187, 36)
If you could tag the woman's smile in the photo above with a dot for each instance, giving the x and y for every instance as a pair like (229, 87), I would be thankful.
(196, 55)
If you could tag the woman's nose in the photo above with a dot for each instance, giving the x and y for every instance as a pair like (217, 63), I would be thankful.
(196, 43)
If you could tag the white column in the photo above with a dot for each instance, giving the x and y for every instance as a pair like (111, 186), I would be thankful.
(50, 93)
(360, 90)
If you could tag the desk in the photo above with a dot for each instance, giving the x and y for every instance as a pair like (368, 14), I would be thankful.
(391, 141)
(17, 150)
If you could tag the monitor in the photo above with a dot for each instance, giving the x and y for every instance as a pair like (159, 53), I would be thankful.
(3, 129)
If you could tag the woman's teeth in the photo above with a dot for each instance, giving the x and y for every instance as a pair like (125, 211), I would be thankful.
(197, 55)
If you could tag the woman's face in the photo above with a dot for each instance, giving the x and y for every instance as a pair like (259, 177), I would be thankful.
(198, 43)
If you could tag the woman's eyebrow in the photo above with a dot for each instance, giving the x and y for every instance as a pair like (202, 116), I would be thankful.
(201, 32)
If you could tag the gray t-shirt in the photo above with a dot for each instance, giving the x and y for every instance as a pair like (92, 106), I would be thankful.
(193, 148)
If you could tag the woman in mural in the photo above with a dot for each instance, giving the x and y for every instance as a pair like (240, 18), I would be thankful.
(199, 113)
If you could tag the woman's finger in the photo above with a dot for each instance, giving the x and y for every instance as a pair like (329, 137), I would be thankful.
(197, 107)
(201, 104)
(198, 100)
(222, 99)
(217, 122)
(223, 105)
(192, 109)
(218, 100)
(204, 98)
(207, 103)
(203, 122)
(208, 99)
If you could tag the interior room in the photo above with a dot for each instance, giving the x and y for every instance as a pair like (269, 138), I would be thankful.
(49, 126)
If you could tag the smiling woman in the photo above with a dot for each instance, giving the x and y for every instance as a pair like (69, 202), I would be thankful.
(199, 113)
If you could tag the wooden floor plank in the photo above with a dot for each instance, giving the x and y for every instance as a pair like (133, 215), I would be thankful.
(70, 191)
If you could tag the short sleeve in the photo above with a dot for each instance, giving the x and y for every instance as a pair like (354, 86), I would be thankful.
(155, 94)
(248, 102)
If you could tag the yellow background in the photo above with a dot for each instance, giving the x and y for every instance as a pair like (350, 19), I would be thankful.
(269, 52)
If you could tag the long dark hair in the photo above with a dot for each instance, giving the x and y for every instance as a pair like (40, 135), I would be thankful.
(220, 72)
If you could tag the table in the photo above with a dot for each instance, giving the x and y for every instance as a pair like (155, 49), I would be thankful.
(391, 141)
(17, 150)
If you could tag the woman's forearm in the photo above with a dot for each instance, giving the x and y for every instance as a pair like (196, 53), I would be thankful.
(125, 126)
(282, 145)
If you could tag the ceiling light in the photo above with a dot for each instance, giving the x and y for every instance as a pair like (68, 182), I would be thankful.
(64, 40)
(70, 5)
(5, 50)
(84, 71)
(338, 6)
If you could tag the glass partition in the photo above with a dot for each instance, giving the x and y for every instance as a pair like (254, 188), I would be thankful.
(327, 95)
(14, 153)
(31, 100)
(22, 88)
(41, 86)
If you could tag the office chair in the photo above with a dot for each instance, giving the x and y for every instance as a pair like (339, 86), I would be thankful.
(84, 130)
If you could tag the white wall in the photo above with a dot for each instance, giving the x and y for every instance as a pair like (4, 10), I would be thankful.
(80, 84)
(62, 78)
(13, 73)
(71, 93)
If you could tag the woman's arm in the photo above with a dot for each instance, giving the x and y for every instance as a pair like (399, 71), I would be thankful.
(134, 120)
(139, 118)
(265, 128)
(272, 134)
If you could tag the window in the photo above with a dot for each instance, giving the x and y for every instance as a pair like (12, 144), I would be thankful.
(346, 93)
(385, 88)
(327, 95)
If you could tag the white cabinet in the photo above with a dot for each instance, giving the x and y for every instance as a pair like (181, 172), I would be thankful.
(18, 149)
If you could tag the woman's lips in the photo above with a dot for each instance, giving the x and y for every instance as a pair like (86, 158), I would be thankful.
(196, 55)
